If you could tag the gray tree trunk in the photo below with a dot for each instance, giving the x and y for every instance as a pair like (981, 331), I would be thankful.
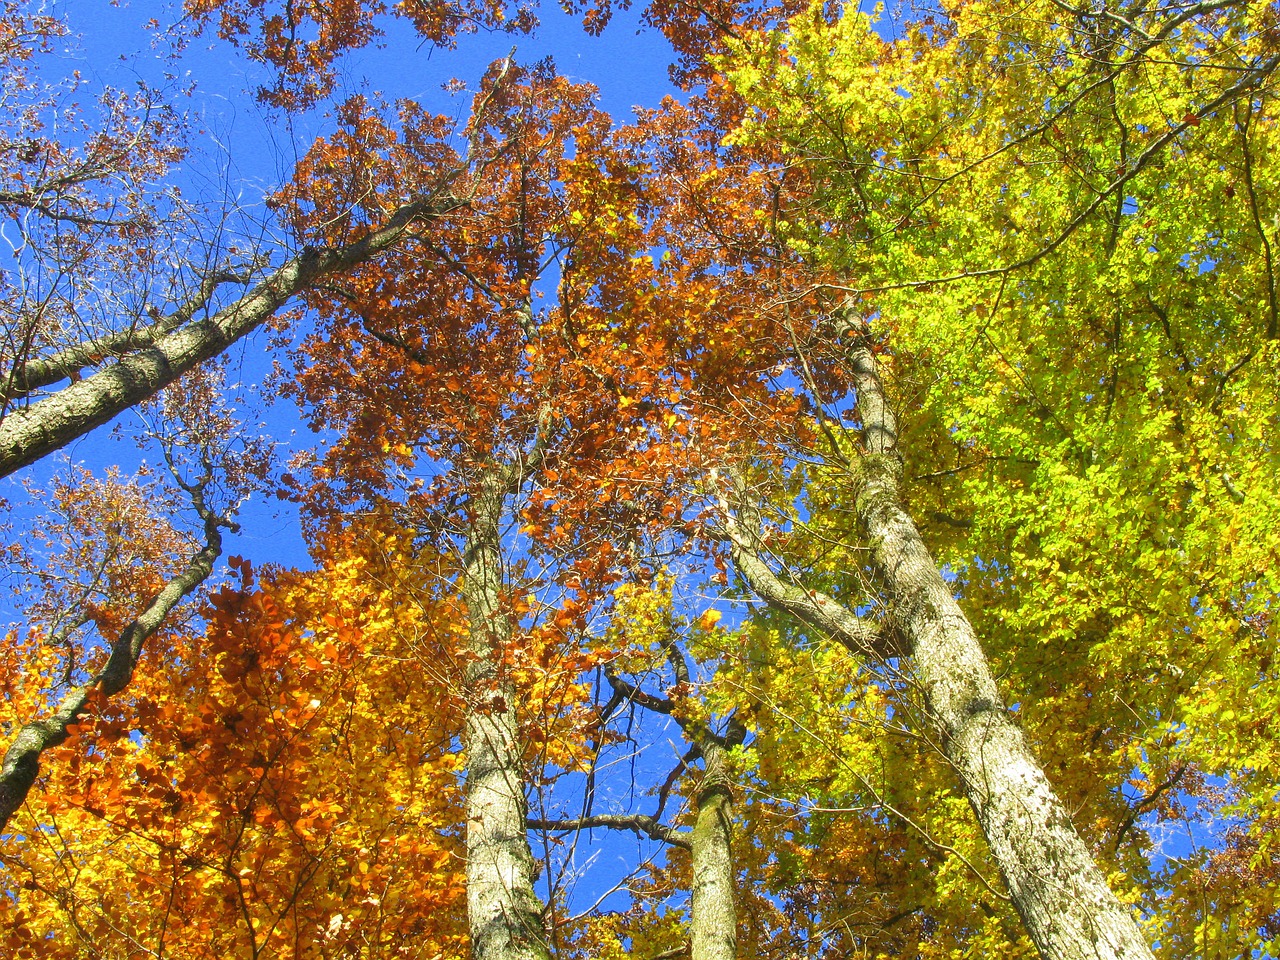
(504, 913)
(29, 433)
(1061, 895)
(713, 933)
(1066, 906)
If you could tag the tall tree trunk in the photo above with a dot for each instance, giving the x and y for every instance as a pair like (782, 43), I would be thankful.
(713, 926)
(713, 931)
(1061, 895)
(504, 913)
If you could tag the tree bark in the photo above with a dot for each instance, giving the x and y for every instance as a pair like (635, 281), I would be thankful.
(39, 372)
(1057, 888)
(713, 928)
(30, 433)
(504, 913)
(713, 924)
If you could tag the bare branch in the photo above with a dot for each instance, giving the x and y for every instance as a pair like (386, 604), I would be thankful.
(637, 823)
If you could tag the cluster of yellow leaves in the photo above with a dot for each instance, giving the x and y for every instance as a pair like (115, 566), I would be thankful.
(1065, 236)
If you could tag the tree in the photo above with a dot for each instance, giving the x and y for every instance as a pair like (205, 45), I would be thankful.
(283, 785)
(113, 575)
(87, 214)
(95, 237)
(550, 356)
(571, 412)
(967, 204)
(644, 627)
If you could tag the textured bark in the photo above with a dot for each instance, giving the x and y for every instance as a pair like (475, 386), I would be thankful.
(21, 763)
(1057, 888)
(713, 924)
(713, 928)
(504, 913)
(29, 433)
(37, 373)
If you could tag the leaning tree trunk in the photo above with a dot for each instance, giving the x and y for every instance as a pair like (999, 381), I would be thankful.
(31, 432)
(503, 912)
(1061, 895)
(21, 764)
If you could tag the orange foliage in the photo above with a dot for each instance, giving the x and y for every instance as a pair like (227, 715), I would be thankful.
(282, 784)
(301, 39)
(663, 347)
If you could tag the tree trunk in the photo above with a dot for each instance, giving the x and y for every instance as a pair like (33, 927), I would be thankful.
(1061, 895)
(29, 433)
(504, 913)
(714, 924)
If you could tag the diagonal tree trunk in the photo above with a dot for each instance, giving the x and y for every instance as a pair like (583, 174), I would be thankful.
(504, 912)
(1066, 906)
(29, 433)
(1061, 895)
(21, 764)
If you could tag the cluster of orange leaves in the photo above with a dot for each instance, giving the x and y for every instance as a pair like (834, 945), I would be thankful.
(660, 350)
(301, 39)
(283, 781)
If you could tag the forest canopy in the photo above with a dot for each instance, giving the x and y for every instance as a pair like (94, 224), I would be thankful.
(832, 510)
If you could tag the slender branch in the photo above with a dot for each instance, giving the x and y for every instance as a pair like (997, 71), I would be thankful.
(1243, 126)
(664, 792)
(1146, 802)
(812, 607)
(637, 823)
(21, 763)
(629, 691)
(1253, 78)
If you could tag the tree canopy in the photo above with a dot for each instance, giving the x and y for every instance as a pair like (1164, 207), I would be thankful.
(831, 512)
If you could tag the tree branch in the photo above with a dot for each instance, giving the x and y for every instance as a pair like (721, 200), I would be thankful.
(34, 374)
(28, 434)
(812, 607)
(637, 823)
(21, 763)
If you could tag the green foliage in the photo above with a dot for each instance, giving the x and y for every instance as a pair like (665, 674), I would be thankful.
(1063, 226)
